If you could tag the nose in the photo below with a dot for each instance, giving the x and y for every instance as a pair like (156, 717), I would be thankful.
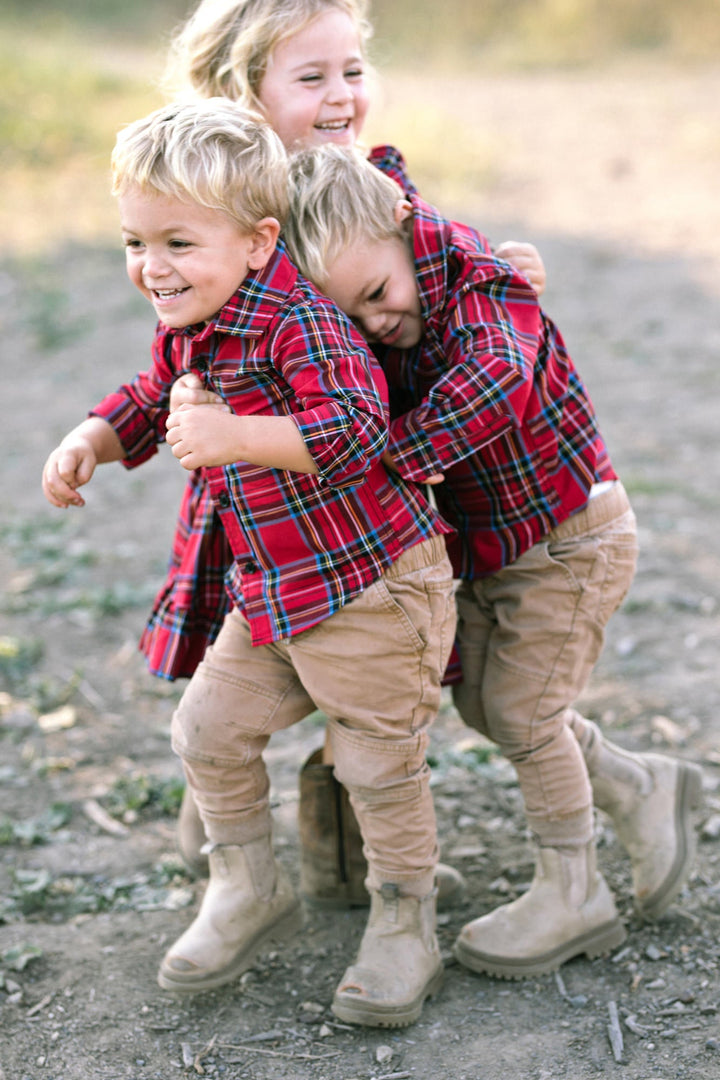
(339, 91)
(154, 266)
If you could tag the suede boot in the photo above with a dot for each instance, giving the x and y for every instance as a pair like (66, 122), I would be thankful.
(650, 800)
(249, 904)
(332, 864)
(190, 836)
(568, 910)
(398, 964)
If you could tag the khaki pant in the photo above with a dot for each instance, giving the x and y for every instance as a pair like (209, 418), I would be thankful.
(528, 638)
(375, 669)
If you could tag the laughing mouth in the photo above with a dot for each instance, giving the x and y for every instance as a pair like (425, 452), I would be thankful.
(167, 294)
(334, 125)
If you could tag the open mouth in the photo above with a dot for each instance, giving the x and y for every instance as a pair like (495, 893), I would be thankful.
(168, 294)
(334, 127)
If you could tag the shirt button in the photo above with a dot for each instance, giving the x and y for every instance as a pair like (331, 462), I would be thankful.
(202, 364)
(223, 500)
(250, 567)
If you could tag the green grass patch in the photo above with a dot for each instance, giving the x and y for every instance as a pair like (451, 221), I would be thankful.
(38, 830)
(144, 793)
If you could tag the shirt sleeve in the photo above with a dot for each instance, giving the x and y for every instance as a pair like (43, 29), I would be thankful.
(340, 391)
(489, 341)
(137, 410)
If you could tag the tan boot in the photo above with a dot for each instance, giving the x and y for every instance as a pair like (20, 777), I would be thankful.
(333, 867)
(190, 836)
(398, 964)
(249, 904)
(650, 800)
(568, 910)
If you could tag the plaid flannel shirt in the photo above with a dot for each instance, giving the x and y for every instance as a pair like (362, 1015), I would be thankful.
(490, 398)
(300, 546)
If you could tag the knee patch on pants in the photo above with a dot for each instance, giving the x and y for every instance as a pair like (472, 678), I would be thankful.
(372, 767)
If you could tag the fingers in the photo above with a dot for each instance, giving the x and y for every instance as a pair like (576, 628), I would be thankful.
(525, 258)
(59, 489)
(188, 389)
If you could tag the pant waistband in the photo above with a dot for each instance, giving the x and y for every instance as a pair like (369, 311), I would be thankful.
(426, 553)
(596, 514)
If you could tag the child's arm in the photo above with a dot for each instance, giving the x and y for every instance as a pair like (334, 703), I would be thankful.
(209, 435)
(73, 462)
(492, 334)
(525, 258)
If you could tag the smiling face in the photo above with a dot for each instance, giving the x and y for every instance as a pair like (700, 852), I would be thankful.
(313, 91)
(186, 259)
(373, 282)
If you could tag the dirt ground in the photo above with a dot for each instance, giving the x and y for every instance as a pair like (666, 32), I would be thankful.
(615, 179)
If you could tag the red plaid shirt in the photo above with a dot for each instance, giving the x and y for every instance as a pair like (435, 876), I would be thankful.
(301, 545)
(490, 398)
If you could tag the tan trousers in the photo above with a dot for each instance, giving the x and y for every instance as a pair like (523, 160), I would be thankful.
(528, 638)
(375, 669)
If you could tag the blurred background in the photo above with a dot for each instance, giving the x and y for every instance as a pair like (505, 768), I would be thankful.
(504, 108)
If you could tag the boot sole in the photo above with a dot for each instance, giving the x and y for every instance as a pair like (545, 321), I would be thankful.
(287, 925)
(688, 798)
(598, 942)
(389, 1016)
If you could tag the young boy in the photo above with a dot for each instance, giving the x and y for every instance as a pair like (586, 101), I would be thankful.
(335, 558)
(545, 541)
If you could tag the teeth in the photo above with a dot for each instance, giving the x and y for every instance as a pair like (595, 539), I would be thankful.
(337, 125)
(165, 294)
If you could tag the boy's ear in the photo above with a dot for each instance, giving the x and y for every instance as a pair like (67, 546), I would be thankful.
(403, 213)
(264, 240)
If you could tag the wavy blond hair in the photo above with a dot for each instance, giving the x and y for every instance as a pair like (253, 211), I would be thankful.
(336, 198)
(211, 152)
(224, 47)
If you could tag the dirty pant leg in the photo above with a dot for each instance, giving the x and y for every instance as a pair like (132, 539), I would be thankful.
(528, 638)
(375, 669)
(238, 696)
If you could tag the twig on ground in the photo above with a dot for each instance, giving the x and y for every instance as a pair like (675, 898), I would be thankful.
(94, 811)
(615, 1032)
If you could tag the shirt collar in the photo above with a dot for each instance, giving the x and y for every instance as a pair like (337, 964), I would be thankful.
(431, 237)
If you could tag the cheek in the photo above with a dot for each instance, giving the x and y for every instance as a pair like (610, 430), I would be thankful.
(134, 271)
(362, 104)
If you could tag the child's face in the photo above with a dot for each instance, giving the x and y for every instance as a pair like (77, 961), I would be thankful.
(186, 259)
(374, 283)
(313, 91)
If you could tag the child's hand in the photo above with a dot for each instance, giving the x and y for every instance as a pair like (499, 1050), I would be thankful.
(525, 258)
(389, 463)
(189, 390)
(69, 467)
(203, 435)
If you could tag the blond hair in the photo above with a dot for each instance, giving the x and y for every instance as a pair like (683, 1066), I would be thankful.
(336, 198)
(210, 152)
(224, 48)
